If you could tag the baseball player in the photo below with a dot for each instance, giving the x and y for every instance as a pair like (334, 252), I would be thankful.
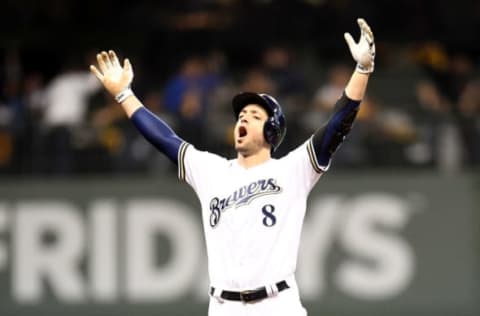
(252, 206)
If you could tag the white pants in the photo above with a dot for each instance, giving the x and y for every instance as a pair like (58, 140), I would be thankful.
(285, 303)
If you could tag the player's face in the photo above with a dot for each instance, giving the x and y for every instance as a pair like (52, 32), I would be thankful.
(248, 132)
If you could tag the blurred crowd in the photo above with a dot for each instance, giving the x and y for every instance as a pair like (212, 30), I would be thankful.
(422, 109)
(422, 113)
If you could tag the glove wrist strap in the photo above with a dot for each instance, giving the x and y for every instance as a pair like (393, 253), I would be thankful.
(124, 94)
(364, 70)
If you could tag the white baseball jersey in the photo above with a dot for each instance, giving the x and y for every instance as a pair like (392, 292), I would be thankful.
(252, 217)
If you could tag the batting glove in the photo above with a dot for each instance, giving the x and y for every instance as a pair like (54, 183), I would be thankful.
(364, 51)
(115, 78)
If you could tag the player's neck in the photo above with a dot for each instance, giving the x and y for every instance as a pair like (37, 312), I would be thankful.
(249, 161)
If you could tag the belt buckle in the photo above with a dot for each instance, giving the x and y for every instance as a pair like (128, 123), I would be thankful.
(245, 296)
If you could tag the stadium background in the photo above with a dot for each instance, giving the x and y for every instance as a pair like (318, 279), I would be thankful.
(93, 221)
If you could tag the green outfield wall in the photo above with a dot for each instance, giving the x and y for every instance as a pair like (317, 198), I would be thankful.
(387, 243)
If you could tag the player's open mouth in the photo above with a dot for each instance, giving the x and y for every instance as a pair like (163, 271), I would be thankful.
(242, 131)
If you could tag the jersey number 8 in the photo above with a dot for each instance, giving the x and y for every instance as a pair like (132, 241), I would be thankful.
(269, 219)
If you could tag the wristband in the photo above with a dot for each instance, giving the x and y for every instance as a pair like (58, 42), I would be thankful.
(365, 70)
(124, 94)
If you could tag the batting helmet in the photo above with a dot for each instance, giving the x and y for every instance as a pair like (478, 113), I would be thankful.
(275, 128)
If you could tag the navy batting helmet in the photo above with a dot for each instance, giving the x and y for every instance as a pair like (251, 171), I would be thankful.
(275, 128)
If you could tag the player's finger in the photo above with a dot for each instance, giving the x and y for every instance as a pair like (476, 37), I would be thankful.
(114, 58)
(106, 60)
(126, 65)
(349, 40)
(101, 63)
(97, 73)
(361, 23)
(365, 28)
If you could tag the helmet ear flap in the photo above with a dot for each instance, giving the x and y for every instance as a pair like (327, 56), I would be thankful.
(274, 131)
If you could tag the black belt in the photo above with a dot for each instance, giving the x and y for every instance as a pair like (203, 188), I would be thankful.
(250, 295)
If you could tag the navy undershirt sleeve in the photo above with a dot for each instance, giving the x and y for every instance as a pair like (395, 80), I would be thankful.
(157, 132)
(327, 138)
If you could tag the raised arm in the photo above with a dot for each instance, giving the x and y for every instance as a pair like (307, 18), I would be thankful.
(326, 139)
(117, 80)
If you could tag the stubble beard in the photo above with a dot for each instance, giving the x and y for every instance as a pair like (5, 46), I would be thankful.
(251, 148)
(243, 150)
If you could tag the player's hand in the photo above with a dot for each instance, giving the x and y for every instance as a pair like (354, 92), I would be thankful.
(364, 51)
(112, 75)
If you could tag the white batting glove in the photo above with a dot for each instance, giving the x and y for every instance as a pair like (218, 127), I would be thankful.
(115, 78)
(364, 51)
